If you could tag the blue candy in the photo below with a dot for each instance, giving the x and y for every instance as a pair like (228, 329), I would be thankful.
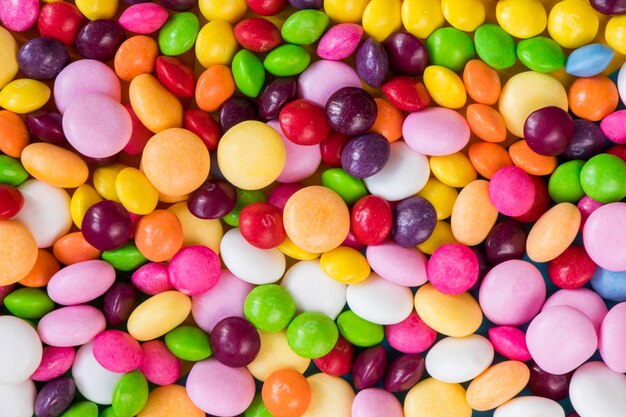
(610, 285)
(589, 60)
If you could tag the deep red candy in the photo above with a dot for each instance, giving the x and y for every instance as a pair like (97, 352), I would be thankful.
(304, 122)
(406, 93)
(175, 76)
(266, 7)
(618, 150)
(257, 35)
(571, 269)
(338, 361)
(371, 220)
(547, 385)
(549, 130)
(278, 196)
(404, 372)
(139, 136)
(540, 204)
(261, 224)
(204, 125)
(60, 21)
(369, 367)
(11, 201)
(332, 148)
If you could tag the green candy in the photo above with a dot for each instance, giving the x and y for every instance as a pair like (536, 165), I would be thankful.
(244, 197)
(257, 408)
(11, 171)
(29, 303)
(358, 331)
(179, 33)
(130, 394)
(348, 187)
(564, 185)
(126, 258)
(304, 27)
(312, 335)
(495, 46)
(248, 73)
(269, 307)
(287, 60)
(189, 343)
(108, 412)
(541, 54)
(82, 409)
(450, 48)
(604, 178)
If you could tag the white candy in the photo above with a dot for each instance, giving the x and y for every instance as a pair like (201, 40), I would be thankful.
(249, 263)
(93, 381)
(18, 400)
(621, 83)
(459, 359)
(530, 407)
(313, 290)
(596, 391)
(46, 212)
(380, 301)
(20, 351)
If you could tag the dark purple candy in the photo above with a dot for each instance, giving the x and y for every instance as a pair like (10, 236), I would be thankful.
(588, 141)
(100, 39)
(274, 97)
(414, 221)
(212, 200)
(306, 4)
(371, 62)
(407, 54)
(483, 265)
(404, 372)
(107, 225)
(573, 414)
(365, 155)
(609, 6)
(236, 110)
(235, 342)
(549, 130)
(119, 302)
(42, 58)
(351, 111)
(214, 171)
(55, 397)
(46, 126)
(179, 5)
(369, 367)
(506, 241)
(544, 384)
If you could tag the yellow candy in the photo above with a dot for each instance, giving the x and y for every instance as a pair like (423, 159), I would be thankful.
(216, 44)
(104, 181)
(521, 18)
(294, 252)
(330, 396)
(455, 170)
(24, 95)
(473, 215)
(135, 192)
(465, 15)
(8, 57)
(555, 230)
(84, 197)
(452, 315)
(440, 236)
(251, 155)
(433, 398)
(445, 87)
(170, 401)
(381, 18)
(345, 11)
(573, 23)
(155, 106)
(197, 231)
(230, 10)
(97, 9)
(54, 165)
(345, 264)
(441, 196)
(275, 354)
(498, 384)
(615, 33)
(422, 17)
(158, 315)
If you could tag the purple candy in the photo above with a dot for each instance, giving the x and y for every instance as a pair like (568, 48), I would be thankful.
(369, 367)
(100, 39)
(306, 4)
(506, 241)
(236, 110)
(119, 302)
(544, 384)
(275, 95)
(609, 6)
(179, 5)
(404, 372)
(414, 221)
(46, 126)
(365, 155)
(588, 141)
(351, 111)
(407, 54)
(371, 62)
(235, 342)
(549, 131)
(212, 200)
(55, 397)
(107, 225)
(42, 58)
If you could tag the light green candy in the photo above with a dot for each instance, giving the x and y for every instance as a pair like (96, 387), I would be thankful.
(564, 184)
(450, 48)
(127, 258)
(189, 343)
(179, 33)
(358, 331)
(257, 408)
(269, 307)
(130, 394)
(287, 60)
(82, 409)
(541, 54)
(248, 72)
(604, 178)
(495, 46)
(29, 303)
(11, 171)
(312, 335)
(304, 27)
(349, 188)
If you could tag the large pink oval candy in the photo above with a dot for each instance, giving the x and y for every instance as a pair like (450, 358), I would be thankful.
(55, 361)
(340, 41)
(411, 335)
(402, 266)
(613, 338)
(117, 351)
(511, 191)
(159, 365)
(18, 15)
(436, 131)
(376, 402)
(83, 77)
(604, 239)
(318, 82)
(81, 282)
(582, 299)
(302, 161)
(71, 326)
(143, 18)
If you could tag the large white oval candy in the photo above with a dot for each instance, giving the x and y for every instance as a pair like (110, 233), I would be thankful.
(20, 350)
(18, 400)
(459, 359)
(597, 391)
(380, 301)
(93, 381)
(530, 407)
(313, 290)
(46, 212)
(612, 342)
(81, 282)
(249, 263)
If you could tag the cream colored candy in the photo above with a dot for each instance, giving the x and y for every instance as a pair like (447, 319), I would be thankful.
(275, 354)
(330, 396)
(158, 315)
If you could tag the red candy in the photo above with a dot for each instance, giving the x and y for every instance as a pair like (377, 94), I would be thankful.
(175, 76)
(304, 122)
(261, 224)
(332, 148)
(11, 201)
(571, 269)
(540, 204)
(257, 35)
(371, 220)
(60, 21)
(202, 124)
(266, 7)
(140, 134)
(338, 361)
(406, 93)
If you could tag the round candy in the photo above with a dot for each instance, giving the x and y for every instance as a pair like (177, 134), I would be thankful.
(415, 220)
(450, 48)
(436, 398)
(459, 359)
(42, 58)
(473, 215)
(172, 400)
(315, 85)
(604, 246)
(572, 23)
(269, 308)
(365, 155)
(506, 241)
(18, 399)
(511, 191)
(212, 200)
(276, 354)
(403, 266)
(194, 270)
(107, 225)
(23, 350)
(540, 405)
(453, 315)
(18, 258)
(571, 269)
(117, 351)
(93, 381)
(159, 365)
(611, 335)
(393, 302)
(235, 342)
(351, 111)
(582, 299)
(312, 335)
(436, 131)
(545, 384)
(453, 269)
(509, 342)
(603, 178)
(100, 39)
(549, 130)
(588, 391)
(370, 401)
(286, 393)
(522, 18)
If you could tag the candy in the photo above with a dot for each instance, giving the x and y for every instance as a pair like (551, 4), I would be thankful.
(18, 400)
(130, 395)
(572, 23)
(24, 95)
(117, 351)
(394, 263)
(437, 399)
(257, 35)
(11, 171)
(511, 191)
(178, 34)
(286, 393)
(605, 247)
(170, 399)
(230, 11)
(481, 82)
(107, 225)
(495, 46)
(42, 59)
(12, 202)
(608, 285)
(587, 396)
(158, 315)
(159, 365)
(521, 18)
(370, 401)
(473, 215)
(369, 367)
(215, 44)
(506, 241)
(610, 336)
(60, 21)
(96, 9)
(349, 188)
(456, 360)
(83, 408)
(522, 405)
(100, 39)
(54, 165)
(118, 303)
(404, 372)
(589, 60)
(340, 41)
(498, 384)
(530, 161)
(275, 354)
(453, 269)
(303, 123)
(143, 18)
(312, 334)
(553, 233)
(582, 299)
(431, 137)
(269, 308)
(28, 303)
(445, 87)
(23, 350)
(135, 56)
(8, 58)
(314, 84)
(587, 141)
(71, 326)
(145, 92)
(55, 397)
(339, 360)
(544, 384)
(614, 33)
(541, 54)
(509, 342)
(345, 264)
(549, 130)
(70, 285)
(329, 395)
(235, 342)
(19, 16)
(358, 331)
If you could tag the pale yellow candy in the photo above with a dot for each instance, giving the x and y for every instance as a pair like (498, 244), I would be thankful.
(345, 264)
(433, 398)
(230, 10)
(24, 95)
(97, 9)
(197, 231)
(104, 181)
(441, 196)
(275, 354)
(522, 18)
(216, 44)
(422, 17)
(555, 230)
(573, 23)
(158, 315)
(473, 215)
(330, 396)
(452, 315)
(8, 57)
(381, 18)
(84, 197)
(465, 15)
(155, 106)
(445, 87)
(295, 252)
(54, 165)
(498, 384)
(345, 11)
(455, 170)
(615, 33)
(135, 192)
(441, 235)
(526, 92)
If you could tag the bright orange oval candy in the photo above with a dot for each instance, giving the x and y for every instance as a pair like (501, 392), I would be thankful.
(486, 122)
(18, 251)
(498, 384)
(159, 235)
(593, 98)
(286, 393)
(215, 86)
(73, 248)
(135, 56)
(54, 165)
(14, 135)
(45, 267)
(481, 82)
(530, 161)
(488, 158)
(388, 121)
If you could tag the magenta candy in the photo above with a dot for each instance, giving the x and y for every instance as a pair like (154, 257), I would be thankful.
(549, 130)
(143, 18)
(547, 385)
(159, 365)
(587, 205)
(117, 351)
(407, 54)
(411, 335)
(46, 126)
(509, 342)
(353, 242)
(453, 268)
(152, 278)
(614, 127)
(18, 15)
(506, 241)
(278, 196)
(235, 342)
(404, 372)
(397, 264)
(55, 362)
(369, 367)
(81, 282)
(351, 111)
(71, 326)
(511, 191)
(100, 39)
(119, 302)
(582, 299)
(340, 41)
(314, 83)
(194, 270)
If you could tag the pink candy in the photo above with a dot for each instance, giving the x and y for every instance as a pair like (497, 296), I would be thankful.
(117, 351)
(152, 279)
(510, 342)
(159, 365)
(278, 196)
(302, 161)
(436, 131)
(143, 18)
(411, 335)
(376, 402)
(314, 83)
(71, 326)
(194, 270)
(613, 338)
(81, 282)
(582, 299)
(453, 268)
(402, 266)
(18, 15)
(614, 127)
(511, 191)
(604, 244)
(587, 205)
(55, 362)
(340, 41)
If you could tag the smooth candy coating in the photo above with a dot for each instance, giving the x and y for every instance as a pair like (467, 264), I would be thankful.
(510, 342)
(194, 270)
(275, 95)
(453, 269)
(404, 372)
(178, 34)
(481, 82)
(511, 191)
(234, 342)
(371, 63)
(603, 245)
(589, 60)
(14, 135)
(611, 338)
(603, 178)
(382, 18)
(257, 34)
(60, 22)
(93, 381)
(12, 202)
(330, 395)
(314, 84)
(28, 303)
(452, 315)
(216, 44)
(8, 58)
(107, 225)
(46, 126)
(450, 48)
(545, 384)
(312, 334)
(304, 27)
(54, 165)
(609, 284)
(24, 95)
(155, 106)
(55, 362)
(371, 220)
(275, 354)
(582, 299)
(18, 400)
(269, 308)
(553, 233)
(130, 395)
(436, 131)
(612, 126)
(81, 282)
(55, 397)
(498, 384)
(473, 215)
(359, 332)
(415, 220)
(339, 360)
(286, 393)
(445, 87)
(135, 56)
(549, 130)
(572, 23)
(365, 155)
(159, 365)
(406, 93)
(506, 241)
(42, 59)
(522, 18)
(351, 111)
(369, 402)
(231, 11)
(23, 350)
(117, 351)
(340, 41)
(369, 367)
(422, 17)
(571, 269)
(495, 46)
(345, 264)
(464, 15)
(170, 400)
(589, 140)
(71, 326)
(541, 54)
(119, 301)
(100, 39)
(135, 192)
(521, 406)
(454, 170)
(143, 18)
(18, 257)
(11, 171)
(158, 315)
(459, 359)
(402, 266)
(393, 304)
(248, 73)
(588, 391)
(95, 77)
(407, 54)
(434, 398)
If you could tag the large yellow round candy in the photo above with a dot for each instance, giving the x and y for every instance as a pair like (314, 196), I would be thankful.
(330, 396)
(135, 192)
(498, 384)
(216, 44)
(573, 23)
(24, 95)
(8, 57)
(230, 10)
(381, 18)
(345, 11)
(275, 354)
(615, 33)
(455, 170)
(522, 18)
(18, 251)
(345, 264)
(158, 315)
(465, 15)
(441, 196)
(97, 9)
(445, 87)
(434, 398)
(197, 231)
(422, 17)
(54, 165)
(84, 197)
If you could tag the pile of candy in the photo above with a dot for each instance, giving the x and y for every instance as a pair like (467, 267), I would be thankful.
(367, 208)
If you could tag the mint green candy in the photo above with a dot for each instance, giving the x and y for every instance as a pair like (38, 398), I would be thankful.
(130, 394)
(304, 27)
(541, 54)
(126, 258)
(82, 409)
(348, 187)
(358, 331)
(108, 412)
(11, 171)
(312, 335)
(189, 343)
(257, 408)
(450, 48)
(248, 73)
(564, 184)
(29, 303)
(287, 60)
(269, 307)
(244, 197)
(604, 178)
(179, 33)
(495, 46)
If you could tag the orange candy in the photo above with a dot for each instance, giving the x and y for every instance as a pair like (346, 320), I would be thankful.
(530, 161)
(214, 87)
(481, 82)
(286, 393)
(159, 235)
(18, 251)
(45, 267)
(73, 248)
(14, 135)
(486, 122)
(488, 158)
(170, 401)
(135, 56)
(593, 98)
(389, 120)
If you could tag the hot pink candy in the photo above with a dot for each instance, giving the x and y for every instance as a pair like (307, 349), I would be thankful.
(509, 342)
(582, 299)
(402, 266)
(194, 270)
(71, 326)
(587, 205)
(143, 18)
(152, 278)
(159, 365)
(613, 338)
(18, 15)
(614, 127)
(55, 361)
(117, 351)
(436, 131)
(411, 335)
(453, 268)
(81, 282)
(511, 191)
(340, 41)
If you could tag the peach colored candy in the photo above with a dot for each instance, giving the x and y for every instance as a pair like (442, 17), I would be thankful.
(214, 87)
(171, 199)
(158, 315)
(498, 384)
(73, 248)
(176, 161)
(198, 231)
(156, 108)
(388, 121)
(485, 122)
(593, 98)
(473, 215)
(330, 396)
(316, 219)
(555, 230)
(45, 267)
(275, 354)
(481, 82)
(54, 165)
(433, 398)
(530, 161)
(18, 251)
(488, 158)
(170, 401)
(135, 56)
(14, 135)
(159, 235)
